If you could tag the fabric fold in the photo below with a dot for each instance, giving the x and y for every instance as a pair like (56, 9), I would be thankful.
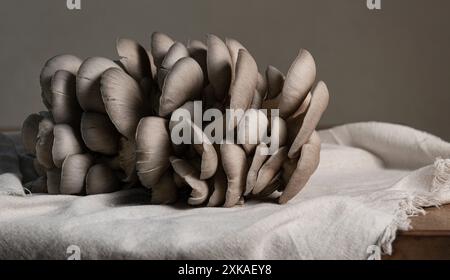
(371, 179)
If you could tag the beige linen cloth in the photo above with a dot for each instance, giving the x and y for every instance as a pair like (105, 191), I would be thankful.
(371, 179)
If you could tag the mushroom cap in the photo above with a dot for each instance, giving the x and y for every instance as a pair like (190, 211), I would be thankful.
(160, 44)
(319, 103)
(73, 173)
(134, 58)
(251, 129)
(199, 51)
(219, 182)
(278, 132)
(183, 83)
(65, 107)
(302, 109)
(206, 150)
(233, 46)
(258, 160)
(44, 143)
(99, 134)
(88, 83)
(306, 166)
(270, 169)
(66, 62)
(190, 175)
(66, 142)
(261, 85)
(234, 163)
(101, 179)
(175, 53)
(127, 158)
(275, 81)
(153, 150)
(299, 80)
(124, 101)
(244, 85)
(219, 64)
(30, 130)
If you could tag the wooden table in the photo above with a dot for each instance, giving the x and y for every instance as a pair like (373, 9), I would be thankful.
(429, 238)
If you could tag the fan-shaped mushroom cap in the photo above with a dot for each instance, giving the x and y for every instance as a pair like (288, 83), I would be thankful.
(289, 166)
(195, 45)
(270, 104)
(165, 191)
(233, 46)
(152, 66)
(88, 83)
(134, 58)
(124, 101)
(65, 108)
(99, 134)
(30, 130)
(101, 179)
(66, 142)
(278, 132)
(251, 129)
(261, 85)
(307, 164)
(219, 182)
(219, 66)
(175, 53)
(299, 80)
(257, 100)
(179, 149)
(260, 93)
(190, 175)
(153, 149)
(319, 102)
(73, 173)
(53, 180)
(189, 107)
(275, 82)
(160, 44)
(258, 160)
(273, 185)
(234, 164)
(244, 85)
(127, 159)
(198, 51)
(66, 62)
(302, 109)
(206, 150)
(44, 143)
(183, 83)
(269, 169)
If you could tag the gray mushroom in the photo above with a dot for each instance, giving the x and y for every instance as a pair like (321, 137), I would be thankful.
(99, 134)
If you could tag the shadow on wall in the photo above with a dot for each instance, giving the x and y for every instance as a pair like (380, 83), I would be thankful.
(387, 65)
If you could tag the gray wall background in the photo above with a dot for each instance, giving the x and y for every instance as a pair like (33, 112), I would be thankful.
(391, 65)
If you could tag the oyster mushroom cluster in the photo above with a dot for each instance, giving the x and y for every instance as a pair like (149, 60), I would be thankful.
(109, 123)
